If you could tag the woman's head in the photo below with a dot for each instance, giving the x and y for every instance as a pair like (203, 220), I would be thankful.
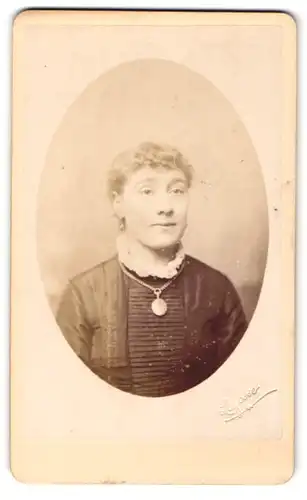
(149, 190)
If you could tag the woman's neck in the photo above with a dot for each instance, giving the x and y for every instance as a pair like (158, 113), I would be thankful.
(145, 261)
(160, 255)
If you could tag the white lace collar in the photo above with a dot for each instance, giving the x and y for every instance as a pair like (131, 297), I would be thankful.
(137, 259)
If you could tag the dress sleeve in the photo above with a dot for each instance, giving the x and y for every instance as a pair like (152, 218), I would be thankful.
(71, 318)
(231, 324)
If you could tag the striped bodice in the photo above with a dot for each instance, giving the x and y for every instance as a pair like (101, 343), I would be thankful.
(155, 342)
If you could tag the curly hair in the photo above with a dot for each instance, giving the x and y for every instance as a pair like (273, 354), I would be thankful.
(147, 154)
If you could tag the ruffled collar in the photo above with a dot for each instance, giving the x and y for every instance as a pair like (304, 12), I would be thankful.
(143, 263)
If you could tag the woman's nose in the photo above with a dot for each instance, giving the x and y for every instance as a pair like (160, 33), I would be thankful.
(166, 211)
(165, 206)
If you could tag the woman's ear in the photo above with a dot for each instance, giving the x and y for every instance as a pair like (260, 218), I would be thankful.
(118, 205)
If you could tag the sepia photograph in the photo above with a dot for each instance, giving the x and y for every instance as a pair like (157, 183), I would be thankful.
(158, 315)
(153, 199)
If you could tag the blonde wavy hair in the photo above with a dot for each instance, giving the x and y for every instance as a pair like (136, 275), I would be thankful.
(147, 154)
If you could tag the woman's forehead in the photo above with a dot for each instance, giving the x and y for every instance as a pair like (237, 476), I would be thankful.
(157, 174)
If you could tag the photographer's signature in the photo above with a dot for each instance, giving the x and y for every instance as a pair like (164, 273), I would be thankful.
(245, 403)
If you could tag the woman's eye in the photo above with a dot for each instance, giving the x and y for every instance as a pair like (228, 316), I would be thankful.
(146, 191)
(177, 191)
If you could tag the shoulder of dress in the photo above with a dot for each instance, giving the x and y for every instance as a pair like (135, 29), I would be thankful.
(207, 275)
(95, 273)
(199, 267)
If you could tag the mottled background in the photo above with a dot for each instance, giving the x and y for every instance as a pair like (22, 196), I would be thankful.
(161, 101)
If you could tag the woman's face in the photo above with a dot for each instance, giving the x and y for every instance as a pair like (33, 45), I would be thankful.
(154, 204)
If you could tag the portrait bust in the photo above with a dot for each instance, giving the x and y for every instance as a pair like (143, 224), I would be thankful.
(151, 320)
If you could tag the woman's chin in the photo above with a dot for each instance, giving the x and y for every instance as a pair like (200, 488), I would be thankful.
(162, 244)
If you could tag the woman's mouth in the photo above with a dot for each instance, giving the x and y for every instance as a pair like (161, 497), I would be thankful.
(165, 224)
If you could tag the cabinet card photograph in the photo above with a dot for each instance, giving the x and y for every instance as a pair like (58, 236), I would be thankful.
(153, 191)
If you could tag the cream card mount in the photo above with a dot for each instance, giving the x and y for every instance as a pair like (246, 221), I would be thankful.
(153, 210)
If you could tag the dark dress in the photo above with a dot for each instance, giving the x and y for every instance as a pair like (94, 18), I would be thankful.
(106, 318)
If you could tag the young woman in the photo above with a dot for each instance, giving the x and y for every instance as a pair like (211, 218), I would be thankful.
(151, 320)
